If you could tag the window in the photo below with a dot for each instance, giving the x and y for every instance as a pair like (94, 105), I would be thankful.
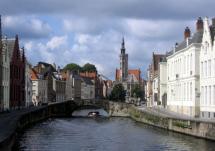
(201, 68)
(205, 95)
(188, 92)
(209, 95)
(184, 91)
(214, 67)
(202, 114)
(214, 95)
(202, 95)
(191, 91)
(205, 67)
(209, 67)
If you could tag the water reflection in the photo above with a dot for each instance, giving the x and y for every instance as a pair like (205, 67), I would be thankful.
(106, 134)
(84, 113)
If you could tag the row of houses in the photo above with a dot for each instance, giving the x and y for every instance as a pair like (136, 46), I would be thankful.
(183, 80)
(51, 84)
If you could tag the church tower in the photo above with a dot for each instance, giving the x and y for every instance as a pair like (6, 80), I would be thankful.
(123, 63)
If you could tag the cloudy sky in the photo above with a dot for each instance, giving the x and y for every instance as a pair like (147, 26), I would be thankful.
(81, 31)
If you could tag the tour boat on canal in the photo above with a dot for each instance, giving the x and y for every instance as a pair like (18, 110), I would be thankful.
(93, 114)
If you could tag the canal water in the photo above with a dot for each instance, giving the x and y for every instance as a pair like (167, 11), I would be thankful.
(105, 134)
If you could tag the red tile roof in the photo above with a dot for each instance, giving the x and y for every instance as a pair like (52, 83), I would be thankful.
(88, 74)
(135, 72)
(34, 75)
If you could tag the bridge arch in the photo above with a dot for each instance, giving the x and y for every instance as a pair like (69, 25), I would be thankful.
(90, 104)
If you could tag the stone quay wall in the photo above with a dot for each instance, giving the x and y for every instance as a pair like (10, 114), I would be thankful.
(194, 127)
(13, 123)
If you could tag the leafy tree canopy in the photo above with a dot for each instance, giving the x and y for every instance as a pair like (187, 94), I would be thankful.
(89, 68)
(72, 67)
(118, 93)
(137, 92)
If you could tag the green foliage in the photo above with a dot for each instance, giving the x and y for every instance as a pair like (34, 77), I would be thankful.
(137, 92)
(72, 67)
(182, 124)
(118, 93)
(89, 68)
(75, 67)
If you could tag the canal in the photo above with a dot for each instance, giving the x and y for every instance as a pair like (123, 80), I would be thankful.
(105, 134)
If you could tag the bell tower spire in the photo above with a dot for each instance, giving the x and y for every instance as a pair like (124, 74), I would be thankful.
(123, 62)
(123, 46)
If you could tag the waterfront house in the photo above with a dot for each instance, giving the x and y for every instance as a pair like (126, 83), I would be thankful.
(153, 75)
(39, 88)
(97, 81)
(183, 87)
(87, 88)
(17, 75)
(4, 75)
(162, 82)
(207, 70)
(28, 85)
(46, 71)
(73, 85)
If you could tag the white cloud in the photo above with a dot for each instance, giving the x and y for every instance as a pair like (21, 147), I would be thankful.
(26, 27)
(56, 42)
(156, 30)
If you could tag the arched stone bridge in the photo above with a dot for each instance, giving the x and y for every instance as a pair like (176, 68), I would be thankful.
(66, 108)
(90, 104)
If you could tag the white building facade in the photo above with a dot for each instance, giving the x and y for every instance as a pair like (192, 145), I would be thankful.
(155, 92)
(207, 71)
(39, 92)
(183, 83)
(163, 83)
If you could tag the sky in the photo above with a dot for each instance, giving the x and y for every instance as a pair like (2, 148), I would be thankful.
(82, 31)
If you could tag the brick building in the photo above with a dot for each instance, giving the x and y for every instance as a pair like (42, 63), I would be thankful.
(17, 76)
(97, 81)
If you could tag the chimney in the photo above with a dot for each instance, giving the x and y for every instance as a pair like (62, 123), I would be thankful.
(199, 24)
(174, 48)
(213, 22)
(187, 33)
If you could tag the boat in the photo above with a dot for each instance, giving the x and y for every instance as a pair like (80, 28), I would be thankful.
(93, 114)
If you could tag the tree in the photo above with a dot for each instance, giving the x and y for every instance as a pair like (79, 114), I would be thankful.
(73, 67)
(137, 92)
(89, 68)
(118, 93)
